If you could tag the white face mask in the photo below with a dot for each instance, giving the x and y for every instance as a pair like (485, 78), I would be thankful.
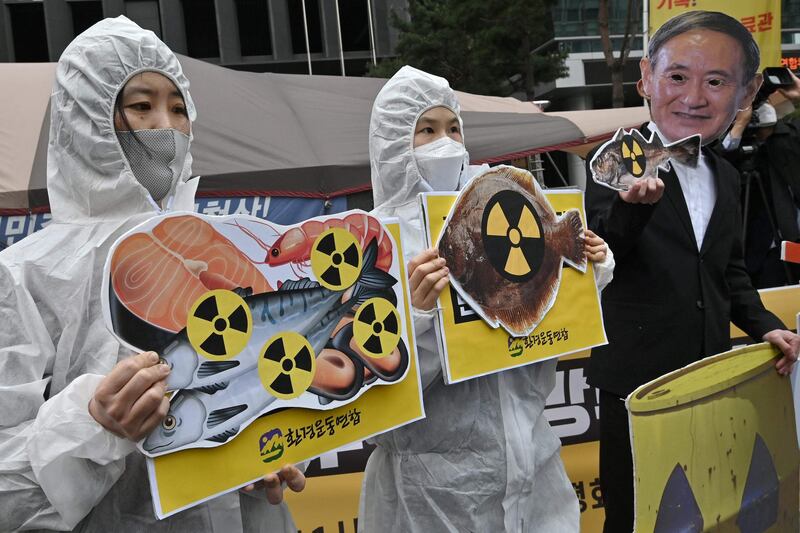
(440, 162)
(156, 158)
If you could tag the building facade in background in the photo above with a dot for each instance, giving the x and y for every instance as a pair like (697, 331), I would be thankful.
(255, 35)
(588, 84)
(271, 36)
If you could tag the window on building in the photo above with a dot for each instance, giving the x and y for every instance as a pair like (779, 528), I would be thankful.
(200, 21)
(84, 14)
(145, 14)
(314, 26)
(28, 32)
(790, 14)
(254, 34)
(354, 18)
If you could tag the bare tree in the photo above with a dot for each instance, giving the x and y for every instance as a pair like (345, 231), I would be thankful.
(617, 64)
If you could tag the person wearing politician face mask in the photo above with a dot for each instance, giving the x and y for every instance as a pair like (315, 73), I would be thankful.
(484, 458)
(73, 401)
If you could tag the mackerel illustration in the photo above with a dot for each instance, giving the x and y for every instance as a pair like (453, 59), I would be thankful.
(195, 416)
(302, 306)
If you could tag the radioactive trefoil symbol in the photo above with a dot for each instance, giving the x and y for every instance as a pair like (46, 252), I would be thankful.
(513, 237)
(336, 259)
(287, 365)
(633, 156)
(219, 325)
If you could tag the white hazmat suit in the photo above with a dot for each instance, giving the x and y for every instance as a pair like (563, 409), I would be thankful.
(59, 469)
(485, 458)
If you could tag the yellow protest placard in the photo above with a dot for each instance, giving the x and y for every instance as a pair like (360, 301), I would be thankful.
(472, 348)
(185, 478)
(761, 17)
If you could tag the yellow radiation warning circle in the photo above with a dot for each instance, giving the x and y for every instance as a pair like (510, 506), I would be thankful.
(287, 365)
(633, 156)
(512, 236)
(219, 324)
(336, 259)
(376, 328)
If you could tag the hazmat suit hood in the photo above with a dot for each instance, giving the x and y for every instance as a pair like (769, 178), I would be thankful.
(396, 179)
(88, 175)
(59, 468)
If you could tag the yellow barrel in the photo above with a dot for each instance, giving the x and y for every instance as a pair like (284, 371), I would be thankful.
(715, 447)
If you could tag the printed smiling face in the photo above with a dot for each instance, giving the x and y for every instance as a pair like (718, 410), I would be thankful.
(696, 84)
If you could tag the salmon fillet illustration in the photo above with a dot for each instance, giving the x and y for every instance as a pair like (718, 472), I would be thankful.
(158, 275)
(504, 246)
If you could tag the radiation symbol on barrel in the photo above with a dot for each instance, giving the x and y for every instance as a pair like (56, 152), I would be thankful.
(376, 327)
(633, 156)
(219, 325)
(336, 259)
(287, 364)
(513, 238)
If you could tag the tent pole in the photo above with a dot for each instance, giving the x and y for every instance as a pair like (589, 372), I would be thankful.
(371, 34)
(339, 33)
(308, 48)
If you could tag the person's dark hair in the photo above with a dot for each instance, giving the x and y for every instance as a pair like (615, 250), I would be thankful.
(713, 21)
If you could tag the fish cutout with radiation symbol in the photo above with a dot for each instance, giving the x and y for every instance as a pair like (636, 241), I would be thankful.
(629, 157)
(504, 246)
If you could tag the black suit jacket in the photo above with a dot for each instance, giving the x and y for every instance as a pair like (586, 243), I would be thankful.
(669, 303)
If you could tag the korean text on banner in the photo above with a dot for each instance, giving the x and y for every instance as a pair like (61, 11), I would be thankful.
(761, 17)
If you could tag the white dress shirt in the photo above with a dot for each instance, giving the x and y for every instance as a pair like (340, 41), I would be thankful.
(699, 190)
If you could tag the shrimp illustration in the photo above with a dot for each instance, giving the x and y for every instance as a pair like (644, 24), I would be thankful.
(294, 246)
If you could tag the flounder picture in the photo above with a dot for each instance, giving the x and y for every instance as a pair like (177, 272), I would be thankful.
(505, 245)
(629, 157)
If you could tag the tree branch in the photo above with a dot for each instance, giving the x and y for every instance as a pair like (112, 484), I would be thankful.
(633, 7)
(605, 40)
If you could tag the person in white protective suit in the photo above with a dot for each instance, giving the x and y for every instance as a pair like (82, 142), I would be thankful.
(484, 458)
(72, 400)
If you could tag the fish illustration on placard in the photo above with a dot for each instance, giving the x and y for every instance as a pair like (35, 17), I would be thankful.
(196, 416)
(222, 318)
(504, 246)
(629, 157)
